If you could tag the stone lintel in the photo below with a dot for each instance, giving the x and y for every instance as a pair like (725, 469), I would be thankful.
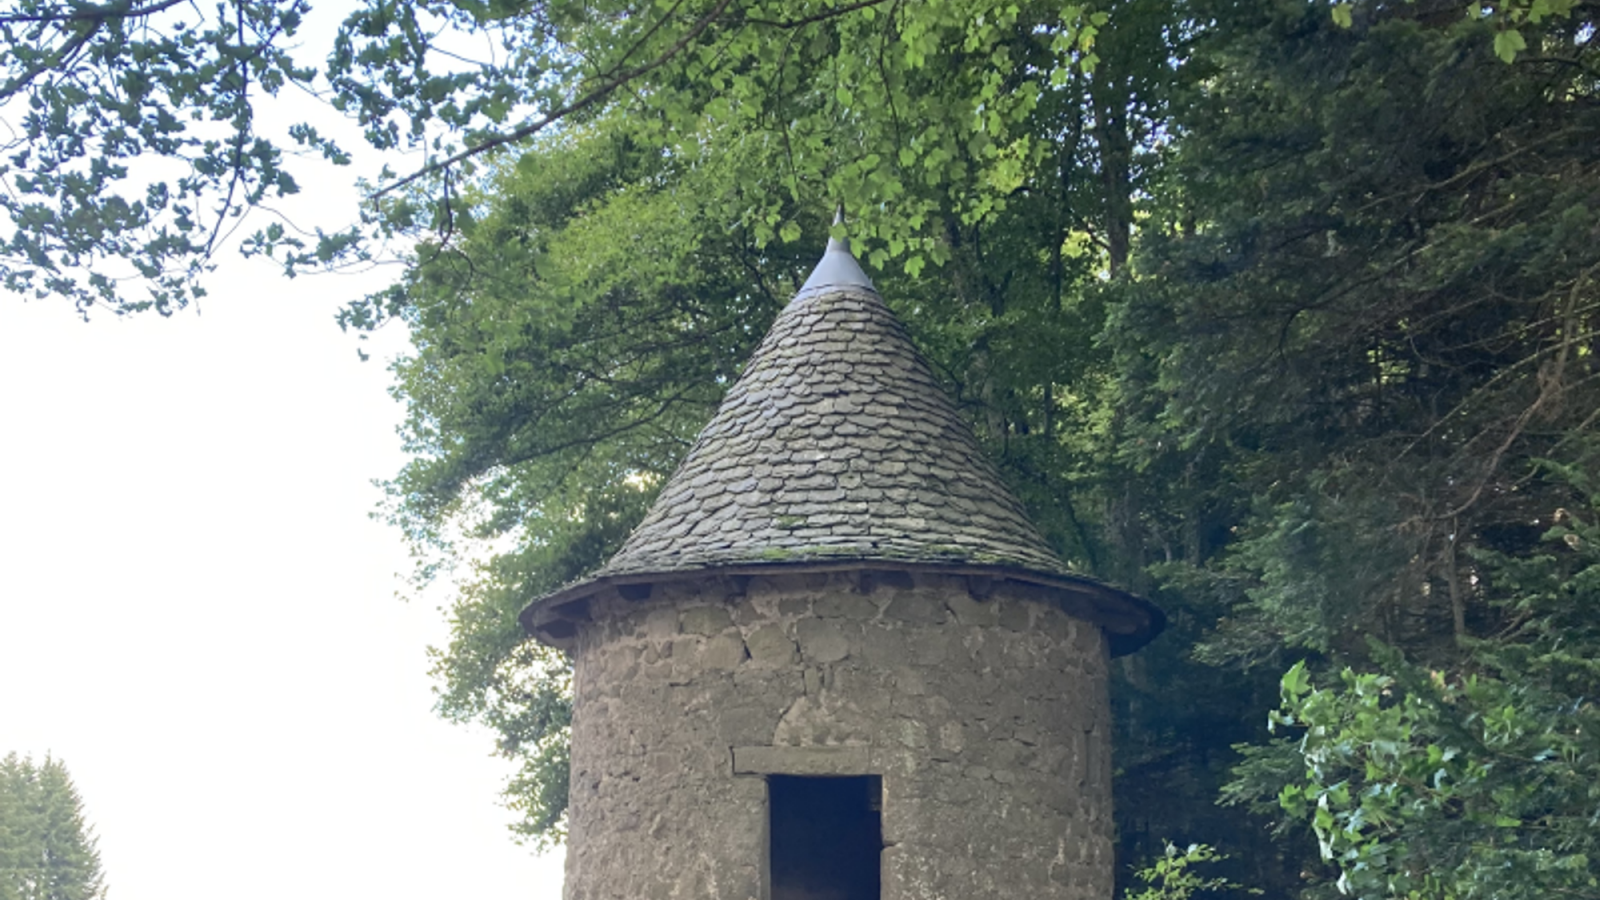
(852, 760)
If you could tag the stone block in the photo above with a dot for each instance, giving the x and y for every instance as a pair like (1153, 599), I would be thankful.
(916, 609)
(952, 737)
(746, 725)
(1015, 615)
(769, 646)
(972, 612)
(821, 641)
(766, 760)
(813, 681)
(745, 613)
(884, 644)
(844, 605)
(706, 620)
(910, 682)
(930, 648)
(660, 623)
(725, 651)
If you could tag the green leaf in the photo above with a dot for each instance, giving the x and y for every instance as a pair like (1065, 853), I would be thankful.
(1508, 43)
(1296, 682)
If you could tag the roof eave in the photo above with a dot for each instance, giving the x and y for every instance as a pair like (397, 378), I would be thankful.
(1129, 621)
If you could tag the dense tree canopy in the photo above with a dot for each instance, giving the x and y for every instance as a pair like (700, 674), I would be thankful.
(46, 849)
(1283, 313)
(132, 148)
(1289, 332)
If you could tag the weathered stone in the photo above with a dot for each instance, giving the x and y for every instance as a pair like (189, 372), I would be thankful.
(952, 737)
(883, 645)
(746, 724)
(930, 648)
(803, 760)
(706, 620)
(769, 646)
(744, 613)
(725, 651)
(661, 622)
(812, 681)
(821, 641)
(911, 734)
(1015, 616)
(910, 681)
(915, 608)
(972, 612)
(842, 604)
(683, 648)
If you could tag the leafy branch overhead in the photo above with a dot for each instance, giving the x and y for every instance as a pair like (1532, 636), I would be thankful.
(130, 147)
(135, 147)
(1508, 16)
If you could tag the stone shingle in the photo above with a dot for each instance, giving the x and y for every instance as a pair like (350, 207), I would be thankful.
(837, 432)
(837, 447)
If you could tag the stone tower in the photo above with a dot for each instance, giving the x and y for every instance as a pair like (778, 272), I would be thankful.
(836, 661)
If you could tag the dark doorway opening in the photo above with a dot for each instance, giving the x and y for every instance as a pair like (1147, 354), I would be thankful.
(827, 835)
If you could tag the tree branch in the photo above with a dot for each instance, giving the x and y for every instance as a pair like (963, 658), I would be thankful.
(816, 17)
(93, 13)
(532, 128)
(49, 61)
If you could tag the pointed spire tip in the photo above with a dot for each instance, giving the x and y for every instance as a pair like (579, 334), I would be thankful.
(838, 244)
(838, 267)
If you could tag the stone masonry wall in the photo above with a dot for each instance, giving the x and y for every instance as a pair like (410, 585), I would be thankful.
(987, 719)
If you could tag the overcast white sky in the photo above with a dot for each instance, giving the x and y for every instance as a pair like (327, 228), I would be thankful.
(198, 617)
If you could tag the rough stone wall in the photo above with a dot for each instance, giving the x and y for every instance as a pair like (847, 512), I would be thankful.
(987, 719)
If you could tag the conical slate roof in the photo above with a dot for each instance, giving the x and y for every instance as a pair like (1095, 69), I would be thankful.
(836, 445)
(837, 442)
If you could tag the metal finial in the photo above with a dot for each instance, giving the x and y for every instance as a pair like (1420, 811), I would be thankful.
(838, 267)
(838, 243)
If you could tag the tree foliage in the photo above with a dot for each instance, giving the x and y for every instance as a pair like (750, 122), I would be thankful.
(131, 147)
(1279, 320)
(1173, 875)
(591, 304)
(46, 850)
(1478, 783)
(1367, 327)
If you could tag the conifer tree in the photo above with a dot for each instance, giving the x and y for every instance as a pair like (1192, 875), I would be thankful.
(46, 850)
